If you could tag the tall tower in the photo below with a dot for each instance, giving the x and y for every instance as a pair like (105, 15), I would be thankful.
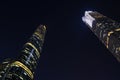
(106, 29)
(23, 67)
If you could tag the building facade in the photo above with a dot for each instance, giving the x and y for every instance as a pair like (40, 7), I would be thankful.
(23, 67)
(106, 29)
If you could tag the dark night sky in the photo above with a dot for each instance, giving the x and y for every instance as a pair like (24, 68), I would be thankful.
(71, 51)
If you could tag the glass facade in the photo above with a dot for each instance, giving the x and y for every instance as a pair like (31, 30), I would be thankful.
(23, 67)
(106, 29)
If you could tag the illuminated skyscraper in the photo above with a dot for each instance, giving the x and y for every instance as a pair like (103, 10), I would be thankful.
(23, 67)
(106, 29)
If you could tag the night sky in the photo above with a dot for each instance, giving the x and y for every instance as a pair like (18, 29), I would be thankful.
(71, 51)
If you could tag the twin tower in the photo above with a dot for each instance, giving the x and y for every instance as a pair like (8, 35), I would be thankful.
(106, 29)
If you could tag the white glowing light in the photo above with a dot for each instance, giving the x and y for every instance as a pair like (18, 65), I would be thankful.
(87, 18)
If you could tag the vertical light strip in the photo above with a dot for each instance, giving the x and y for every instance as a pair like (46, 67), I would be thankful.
(37, 52)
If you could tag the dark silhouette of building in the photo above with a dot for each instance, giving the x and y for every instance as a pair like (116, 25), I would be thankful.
(106, 29)
(23, 67)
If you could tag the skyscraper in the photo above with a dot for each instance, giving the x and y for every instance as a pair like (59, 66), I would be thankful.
(106, 29)
(23, 67)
